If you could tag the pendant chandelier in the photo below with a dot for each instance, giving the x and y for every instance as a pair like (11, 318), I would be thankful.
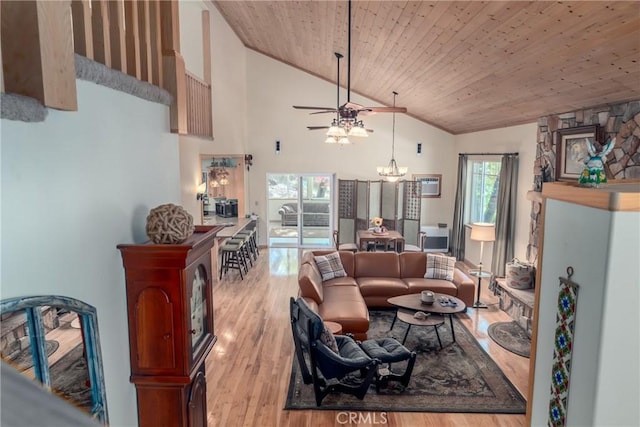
(392, 172)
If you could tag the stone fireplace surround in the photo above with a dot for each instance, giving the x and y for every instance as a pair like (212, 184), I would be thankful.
(621, 121)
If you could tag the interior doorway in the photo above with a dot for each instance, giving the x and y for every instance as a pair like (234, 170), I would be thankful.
(224, 199)
(299, 209)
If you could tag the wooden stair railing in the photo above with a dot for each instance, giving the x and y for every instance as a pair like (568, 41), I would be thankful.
(138, 37)
(199, 118)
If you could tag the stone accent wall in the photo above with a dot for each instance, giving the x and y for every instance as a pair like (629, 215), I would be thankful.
(621, 121)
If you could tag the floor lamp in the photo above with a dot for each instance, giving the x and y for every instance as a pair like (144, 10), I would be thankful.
(481, 232)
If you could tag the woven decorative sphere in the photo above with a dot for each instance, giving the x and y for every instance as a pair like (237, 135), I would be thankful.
(169, 223)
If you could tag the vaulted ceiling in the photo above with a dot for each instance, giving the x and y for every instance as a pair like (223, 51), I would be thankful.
(462, 66)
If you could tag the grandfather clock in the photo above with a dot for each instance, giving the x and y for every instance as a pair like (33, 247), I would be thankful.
(170, 312)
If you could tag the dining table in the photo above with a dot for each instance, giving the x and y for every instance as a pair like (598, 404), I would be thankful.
(364, 237)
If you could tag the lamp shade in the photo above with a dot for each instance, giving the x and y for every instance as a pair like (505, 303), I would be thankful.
(202, 187)
(483, 232)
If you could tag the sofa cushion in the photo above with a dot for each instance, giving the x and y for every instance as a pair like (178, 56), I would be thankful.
(330, 266)
(413, 264)
(382, 286)
(310, 283)
(347, 258)
(419, 284)
(440, 267)
(345, 305)
(340, 281)
(377, 264)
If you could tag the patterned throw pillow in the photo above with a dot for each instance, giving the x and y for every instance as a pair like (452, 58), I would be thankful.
(327, 338)
(330, 266)
(440, 267)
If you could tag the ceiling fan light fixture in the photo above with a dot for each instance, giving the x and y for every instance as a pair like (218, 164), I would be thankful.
(344, 140)
(336, 131)
(331, 140)
(358, 130)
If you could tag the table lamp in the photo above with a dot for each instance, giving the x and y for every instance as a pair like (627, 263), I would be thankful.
(482, 232)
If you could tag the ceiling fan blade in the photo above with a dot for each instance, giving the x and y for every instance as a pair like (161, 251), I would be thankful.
(325, 111)
(317, 127)
(387, 109)
(300, 107)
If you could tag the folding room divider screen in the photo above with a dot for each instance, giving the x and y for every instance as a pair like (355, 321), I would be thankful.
(397, 203)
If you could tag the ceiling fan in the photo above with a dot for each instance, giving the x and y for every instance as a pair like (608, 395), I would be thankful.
(346, 122)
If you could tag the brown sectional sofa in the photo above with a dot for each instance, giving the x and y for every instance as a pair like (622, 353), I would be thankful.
(372, 278)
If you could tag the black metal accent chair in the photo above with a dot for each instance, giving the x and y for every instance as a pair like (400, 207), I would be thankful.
(329, 370)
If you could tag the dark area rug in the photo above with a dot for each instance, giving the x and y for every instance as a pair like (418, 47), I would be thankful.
(459, 378)
(22, 360)
(70, 378)
(511, 336)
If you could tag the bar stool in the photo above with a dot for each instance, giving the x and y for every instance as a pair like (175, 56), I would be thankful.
(244, 250)
(232, 257)
(250, 238)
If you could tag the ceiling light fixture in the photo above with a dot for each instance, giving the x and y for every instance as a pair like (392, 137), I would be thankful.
(392, 172)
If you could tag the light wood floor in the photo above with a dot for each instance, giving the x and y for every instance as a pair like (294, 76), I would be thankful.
(248, 369)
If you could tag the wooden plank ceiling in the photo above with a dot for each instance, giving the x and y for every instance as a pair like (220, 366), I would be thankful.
(462, 66)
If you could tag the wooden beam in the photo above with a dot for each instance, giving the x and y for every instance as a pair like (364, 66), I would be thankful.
(206, 45)
(155, 43)
(117, 36)
(170, 25)
(101, 37)
(175, 83)
(1, 72)
(145, 35)
(37, 50)
(132, 39)
(173, 77)
(82, 28)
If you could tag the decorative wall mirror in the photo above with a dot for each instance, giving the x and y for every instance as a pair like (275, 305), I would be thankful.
(55, 340)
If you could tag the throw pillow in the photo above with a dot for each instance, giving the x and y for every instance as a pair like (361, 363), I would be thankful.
(440, 267)
(330, 266)
(327, 338)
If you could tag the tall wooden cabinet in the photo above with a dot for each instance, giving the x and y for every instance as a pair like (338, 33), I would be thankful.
(596, 232)
(170, 313)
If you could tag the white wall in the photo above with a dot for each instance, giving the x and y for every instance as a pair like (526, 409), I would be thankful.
(604, 364)
(229, 93)
(274, 88)
(73, 187)
(520, 139)
(253, 97)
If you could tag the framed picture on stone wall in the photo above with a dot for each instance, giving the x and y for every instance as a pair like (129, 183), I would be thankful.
(572, 150)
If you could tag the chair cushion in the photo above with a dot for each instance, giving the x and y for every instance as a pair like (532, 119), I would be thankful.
(330, 266)
(349, 349)
(386, 350)
(440, 267)
(327, 338)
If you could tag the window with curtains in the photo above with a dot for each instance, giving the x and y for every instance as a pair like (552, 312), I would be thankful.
(483, 185)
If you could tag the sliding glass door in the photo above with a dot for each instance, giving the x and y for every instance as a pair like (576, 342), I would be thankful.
(300, 207)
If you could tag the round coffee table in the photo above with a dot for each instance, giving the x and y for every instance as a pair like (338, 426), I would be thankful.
(439, 306)
(407, 316)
